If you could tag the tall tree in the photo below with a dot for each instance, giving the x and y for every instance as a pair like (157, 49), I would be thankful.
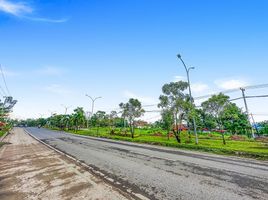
(215, 106)
(175, 101)
(131, 110)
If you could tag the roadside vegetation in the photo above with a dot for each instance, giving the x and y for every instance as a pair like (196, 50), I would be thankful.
(221, 126)
(209, 142)
(5, 108)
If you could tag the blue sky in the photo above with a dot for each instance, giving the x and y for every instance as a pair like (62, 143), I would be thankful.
(54, 52)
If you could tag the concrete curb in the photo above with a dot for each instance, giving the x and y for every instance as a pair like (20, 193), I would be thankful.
(107, 179)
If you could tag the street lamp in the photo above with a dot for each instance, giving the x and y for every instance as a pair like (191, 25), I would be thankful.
(66, 108)
(93, 102)
(187, 69)
(52, 112)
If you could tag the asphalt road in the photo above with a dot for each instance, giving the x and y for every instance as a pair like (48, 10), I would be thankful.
(165, 173)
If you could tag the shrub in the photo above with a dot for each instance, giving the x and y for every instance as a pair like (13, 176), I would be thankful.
(237, 137)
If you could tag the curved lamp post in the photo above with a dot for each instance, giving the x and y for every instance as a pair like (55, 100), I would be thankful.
(92, 105)
(187, 69)
(66, 108)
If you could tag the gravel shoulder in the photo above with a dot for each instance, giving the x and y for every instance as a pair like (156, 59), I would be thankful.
(30, 170)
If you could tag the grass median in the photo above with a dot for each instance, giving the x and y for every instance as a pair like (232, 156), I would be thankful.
(207, 142)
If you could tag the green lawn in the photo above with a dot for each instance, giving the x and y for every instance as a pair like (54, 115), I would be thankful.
(207, 142)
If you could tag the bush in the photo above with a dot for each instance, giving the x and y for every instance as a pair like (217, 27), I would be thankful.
(262, 139)
(238, 137)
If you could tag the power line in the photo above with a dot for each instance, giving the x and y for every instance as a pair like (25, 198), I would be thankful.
(233, 90)
(257, 96)
(3, 93)
(3, 76)
(150, 105)
(260, 114)
(247, 97)
(152, 110)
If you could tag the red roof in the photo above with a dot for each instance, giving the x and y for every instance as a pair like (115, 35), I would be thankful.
(181, 127)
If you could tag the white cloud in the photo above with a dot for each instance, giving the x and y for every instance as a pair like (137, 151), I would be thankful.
(40, 19)
(179, 78)
(50, 71)
(16, 9)
(57, 89)
(24, 11)
(230, 84)
(199, 87)
(143, 99)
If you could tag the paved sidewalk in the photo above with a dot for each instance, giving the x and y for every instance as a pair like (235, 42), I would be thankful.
(29, 170)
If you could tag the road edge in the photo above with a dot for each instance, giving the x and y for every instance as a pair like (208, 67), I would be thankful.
(170, 148)
(127, 192)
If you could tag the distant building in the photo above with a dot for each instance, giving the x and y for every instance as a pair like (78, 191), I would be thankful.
(141, 124)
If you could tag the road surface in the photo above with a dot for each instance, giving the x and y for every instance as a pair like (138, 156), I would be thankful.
(30, 170)
(165, 173)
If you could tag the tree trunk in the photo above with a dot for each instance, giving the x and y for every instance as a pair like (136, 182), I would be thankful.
(132, 130)
(175, 130)
(188, 126)
(222, 134)
(176, 136)
(223, 139)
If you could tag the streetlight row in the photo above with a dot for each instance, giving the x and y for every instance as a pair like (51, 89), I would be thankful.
(67, 107)
(187, 69)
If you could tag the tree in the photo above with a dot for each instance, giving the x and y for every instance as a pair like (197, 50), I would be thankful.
(78, 117)
(263, 127)
(100, 119)
(215, 106)
(175, 101)
(5, 108)
(65, 121)
(131, 110)
(205, 120)
(167, 121)
(234, 120)
(112, 118)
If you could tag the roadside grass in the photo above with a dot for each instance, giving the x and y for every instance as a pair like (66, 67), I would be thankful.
(207, 142)
(2, 133)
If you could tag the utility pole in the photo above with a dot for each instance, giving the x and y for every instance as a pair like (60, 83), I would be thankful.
(190, 93)
(92, 104)
(254, 124)
(247, 112)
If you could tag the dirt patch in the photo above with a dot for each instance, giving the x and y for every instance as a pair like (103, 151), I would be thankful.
(29, 170)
